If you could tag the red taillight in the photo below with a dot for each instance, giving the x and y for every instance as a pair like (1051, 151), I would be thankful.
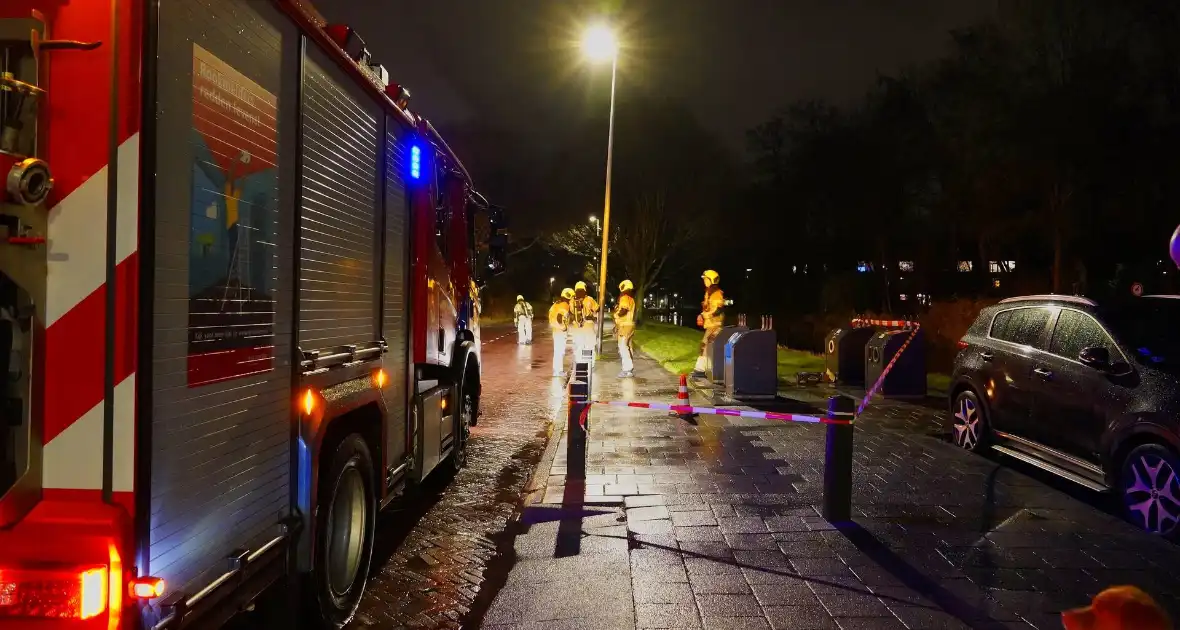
(962, 344)
(68, 593)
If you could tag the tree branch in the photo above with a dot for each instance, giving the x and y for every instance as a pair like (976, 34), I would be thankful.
(518, 250)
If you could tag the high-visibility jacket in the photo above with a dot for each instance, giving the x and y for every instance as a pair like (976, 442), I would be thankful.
(583, 311)
(559, 314)
(625, 302)
(713, 307)
(523, 309)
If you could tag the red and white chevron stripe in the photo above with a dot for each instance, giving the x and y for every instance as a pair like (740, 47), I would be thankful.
(78, 107)
(75, 331)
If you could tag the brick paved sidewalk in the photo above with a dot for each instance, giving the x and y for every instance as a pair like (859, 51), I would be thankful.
(715, 525)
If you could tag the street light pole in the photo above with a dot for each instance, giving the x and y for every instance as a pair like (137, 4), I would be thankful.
(610, 152)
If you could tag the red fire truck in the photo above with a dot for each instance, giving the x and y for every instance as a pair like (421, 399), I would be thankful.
(238, 308)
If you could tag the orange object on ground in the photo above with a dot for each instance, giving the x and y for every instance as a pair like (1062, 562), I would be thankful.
(1118, 608)
(682, 400)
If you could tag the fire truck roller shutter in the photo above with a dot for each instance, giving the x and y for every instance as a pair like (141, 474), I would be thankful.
(394, 323)
(221, 372)
(342, 141)
(341, 130)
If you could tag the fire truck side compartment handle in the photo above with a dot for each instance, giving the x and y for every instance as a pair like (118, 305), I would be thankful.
(68, 44)
(59, 44)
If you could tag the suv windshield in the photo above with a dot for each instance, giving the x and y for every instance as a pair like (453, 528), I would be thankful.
(1149, 327)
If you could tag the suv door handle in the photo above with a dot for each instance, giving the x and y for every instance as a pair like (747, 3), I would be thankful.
(1044, 373)
(986, 356)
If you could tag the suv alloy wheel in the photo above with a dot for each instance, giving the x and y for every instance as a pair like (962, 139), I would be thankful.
(1151, 489)
(969, 428)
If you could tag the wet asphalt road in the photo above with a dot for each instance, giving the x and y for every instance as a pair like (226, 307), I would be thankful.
(433, 549)
(434, 546)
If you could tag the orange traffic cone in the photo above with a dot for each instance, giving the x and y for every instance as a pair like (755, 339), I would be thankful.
(682, 399)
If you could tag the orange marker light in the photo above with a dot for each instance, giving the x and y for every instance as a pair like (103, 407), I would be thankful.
(444, 404)
(380, 378)
(308, 402)
(147, 588)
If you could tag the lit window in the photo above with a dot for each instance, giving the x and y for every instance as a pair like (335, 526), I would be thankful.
(905, 265)
(966, 266)
(903, 297)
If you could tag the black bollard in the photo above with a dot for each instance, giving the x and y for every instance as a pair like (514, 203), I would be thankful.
(575, 435)
(837, 501)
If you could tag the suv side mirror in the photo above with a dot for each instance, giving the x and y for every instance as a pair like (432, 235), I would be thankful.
(1097, 358)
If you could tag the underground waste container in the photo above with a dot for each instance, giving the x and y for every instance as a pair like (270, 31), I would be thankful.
(907, 379)
(751, 365)
(716, 352)
(844, 354)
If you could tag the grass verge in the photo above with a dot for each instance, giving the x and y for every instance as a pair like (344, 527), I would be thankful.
(676, 349)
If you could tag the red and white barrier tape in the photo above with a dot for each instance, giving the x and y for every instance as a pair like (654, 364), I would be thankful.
(881, 379)
(885, 323)
(718, 411)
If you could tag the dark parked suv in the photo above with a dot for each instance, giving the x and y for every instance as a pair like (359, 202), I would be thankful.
(1088, 391)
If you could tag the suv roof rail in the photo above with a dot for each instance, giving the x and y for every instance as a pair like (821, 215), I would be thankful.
(1052, 297)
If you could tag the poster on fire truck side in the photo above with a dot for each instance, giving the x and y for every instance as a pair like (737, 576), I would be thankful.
(234, 216)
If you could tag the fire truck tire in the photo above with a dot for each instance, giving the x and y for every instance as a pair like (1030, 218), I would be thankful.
(470, 375)
(468, 408)
(346, 518)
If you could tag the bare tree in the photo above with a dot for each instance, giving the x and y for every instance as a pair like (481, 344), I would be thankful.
(521, 248)
(580, 240)
(648, 237)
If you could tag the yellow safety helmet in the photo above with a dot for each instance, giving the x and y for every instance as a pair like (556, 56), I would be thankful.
(712, 276)
(520, 298)
(567, 293)
(626, 285)
(580, 285)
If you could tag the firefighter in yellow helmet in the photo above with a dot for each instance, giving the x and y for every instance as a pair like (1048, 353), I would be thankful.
(559, 322)
(711, 318)
(624, 316)
(584, 316)
(523, 314)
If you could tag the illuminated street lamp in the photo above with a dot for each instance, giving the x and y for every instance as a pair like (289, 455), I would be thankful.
(597, 225)
(600, 45)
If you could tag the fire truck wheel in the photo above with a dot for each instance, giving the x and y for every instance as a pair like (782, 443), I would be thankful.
(345, 525)
(468, 407)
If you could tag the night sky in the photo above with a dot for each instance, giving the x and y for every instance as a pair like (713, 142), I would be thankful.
(514, 64)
